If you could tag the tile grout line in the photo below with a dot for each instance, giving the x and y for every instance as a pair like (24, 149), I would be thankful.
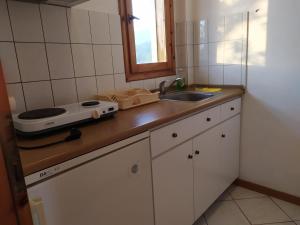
(46, 52)
(93, 52)
(235, 202)
(15, 49)
(72, 54)
(282, 209)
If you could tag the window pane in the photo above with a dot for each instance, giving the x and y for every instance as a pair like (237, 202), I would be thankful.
(149, 31)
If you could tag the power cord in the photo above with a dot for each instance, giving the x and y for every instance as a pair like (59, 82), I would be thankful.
(75, 134)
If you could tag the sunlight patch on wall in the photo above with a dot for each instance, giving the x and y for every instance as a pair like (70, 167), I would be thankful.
(258, 34)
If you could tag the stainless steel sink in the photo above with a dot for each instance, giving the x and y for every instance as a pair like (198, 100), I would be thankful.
(186, 96)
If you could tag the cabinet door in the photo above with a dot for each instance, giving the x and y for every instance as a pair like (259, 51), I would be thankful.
(112, 190)
(173, 186)
(230, 148)
(208, 180)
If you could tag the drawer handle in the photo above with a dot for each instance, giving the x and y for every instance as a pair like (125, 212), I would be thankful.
(232, 108)
(135, 169)
(197, 152)
(174, 135)
(223, 135)
(190, 156)
(208, 119)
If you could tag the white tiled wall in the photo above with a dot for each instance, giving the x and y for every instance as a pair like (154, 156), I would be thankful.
(220, 50)
(54, 55)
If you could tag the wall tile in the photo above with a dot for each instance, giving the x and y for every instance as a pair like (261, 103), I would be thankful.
(103, 59)
(99, 28)
(201, 32)
(149, 84)
(180, 33)
(189, 33)
(216, 29)
(32, 61)
(216, 53)
(115, 29)
(15, 90)
(64, 91)
(136, 84)
(118, 59)
(233, 74)
(38, 95)
(190, 55)
(201, 55)
(55, 24)
(79, 25)
(86, 88)
(60, 60)
(5, 34)
(233, 52)
(120, 82)
(181, 56)
(105, 83)
(83, 60)
(234, 27)
(216, 75)
(9, 62)
(190, 76)
(201, 75)
(26, 21)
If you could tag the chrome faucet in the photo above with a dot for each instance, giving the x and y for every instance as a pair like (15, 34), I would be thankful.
(162, 85)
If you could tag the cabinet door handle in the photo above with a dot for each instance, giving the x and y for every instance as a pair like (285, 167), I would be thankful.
(190, 156)
(223, 135)
(208, 119)
(174, 135)
(197, 152)
(232, 108)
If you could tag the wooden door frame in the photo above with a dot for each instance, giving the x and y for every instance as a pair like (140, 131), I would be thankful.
(14, 204)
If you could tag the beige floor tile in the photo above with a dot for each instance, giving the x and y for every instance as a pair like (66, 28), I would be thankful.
(200, 221)
(225, 213)
(292, 210)
(262, 210)
(242, 193)
(225, 196)
(286, 223)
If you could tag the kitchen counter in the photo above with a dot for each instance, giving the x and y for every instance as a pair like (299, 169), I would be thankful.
(124, 125)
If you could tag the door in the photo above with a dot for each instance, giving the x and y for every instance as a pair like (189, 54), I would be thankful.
(173, 186)
(14, 206)
(230, 142)
(113, 190)
(208, 180)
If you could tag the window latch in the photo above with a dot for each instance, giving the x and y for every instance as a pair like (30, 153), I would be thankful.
(130, 18)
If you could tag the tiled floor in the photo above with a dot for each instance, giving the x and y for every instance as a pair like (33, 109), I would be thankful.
(240, 206)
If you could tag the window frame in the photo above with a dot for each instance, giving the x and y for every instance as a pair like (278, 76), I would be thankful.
(134, 71)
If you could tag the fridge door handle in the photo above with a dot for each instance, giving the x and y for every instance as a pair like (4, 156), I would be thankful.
(37, 211)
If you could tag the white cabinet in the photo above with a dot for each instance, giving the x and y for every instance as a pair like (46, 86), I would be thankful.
(230, 149)
(185, 188)
(208, 176)
(113, 190)
(216, 162)
(173, 186)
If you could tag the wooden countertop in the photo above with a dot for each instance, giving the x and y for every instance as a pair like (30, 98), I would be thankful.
(124, 125)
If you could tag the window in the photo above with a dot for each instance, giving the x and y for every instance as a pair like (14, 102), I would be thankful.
(147, 30)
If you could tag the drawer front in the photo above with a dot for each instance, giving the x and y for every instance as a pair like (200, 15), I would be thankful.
(230, 109)
(174, 134)
(212, 117)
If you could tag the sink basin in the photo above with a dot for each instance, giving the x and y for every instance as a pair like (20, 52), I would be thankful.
(187, 96)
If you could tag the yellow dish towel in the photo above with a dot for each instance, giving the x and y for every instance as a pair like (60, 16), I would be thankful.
(209, 89)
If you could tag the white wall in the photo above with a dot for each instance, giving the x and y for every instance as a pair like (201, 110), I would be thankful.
(107, 6)
(270, 153)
